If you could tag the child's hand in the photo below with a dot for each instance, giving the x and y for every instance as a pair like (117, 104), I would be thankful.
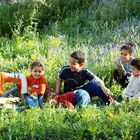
(15, 99)
(29, 89)
(22, 97)
(107, 91)
(120, 65)
(72, 110)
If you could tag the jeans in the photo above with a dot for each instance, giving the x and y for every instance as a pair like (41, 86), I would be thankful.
(82, 97)
(95, 90)
(14, 92)
(40, 100)
(31, 101)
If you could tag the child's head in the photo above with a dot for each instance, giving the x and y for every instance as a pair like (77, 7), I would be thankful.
(52, 97)
(126, 52)
(135, 63)
(77, 60)
(37, 69)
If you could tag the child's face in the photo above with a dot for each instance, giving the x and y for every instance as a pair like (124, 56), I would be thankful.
(37, 72)
(53, 98)
(74, 65)
(135, 71)
(125, 55)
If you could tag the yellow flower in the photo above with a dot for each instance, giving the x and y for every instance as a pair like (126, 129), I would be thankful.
(55, 41)
(111, 115)
(30, 42)
(19, 38)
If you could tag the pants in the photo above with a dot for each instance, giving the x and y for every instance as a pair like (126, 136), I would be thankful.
(95, 90)
(31, 101)
(82, 97)
(13, 92)
(120, 78)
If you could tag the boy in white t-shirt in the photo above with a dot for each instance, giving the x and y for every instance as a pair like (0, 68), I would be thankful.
(132, 91)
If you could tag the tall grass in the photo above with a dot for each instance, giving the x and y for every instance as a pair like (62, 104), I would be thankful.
(88, 123)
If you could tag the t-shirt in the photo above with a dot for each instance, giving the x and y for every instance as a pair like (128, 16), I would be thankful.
(133, 88)
(67, 99)
(39, 86)
(16, 78)
(74, 79)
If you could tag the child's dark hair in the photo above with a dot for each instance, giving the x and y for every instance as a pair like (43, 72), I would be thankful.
(37, 63)
(128, 47)
(80, 56)
(136, 63)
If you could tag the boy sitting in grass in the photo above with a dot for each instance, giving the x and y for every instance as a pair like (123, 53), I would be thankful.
(69, 99)
(132, 91)
(123, 68)
(37, 85)
(75, 77)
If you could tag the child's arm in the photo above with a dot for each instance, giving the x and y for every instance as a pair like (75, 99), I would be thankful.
(40, 90)
(136, 95)
(58, 85)
(3, 100)
(16, 78)
(101, 83)
(121, 67)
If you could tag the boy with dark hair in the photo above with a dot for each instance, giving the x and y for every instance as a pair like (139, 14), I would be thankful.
(75, 76)
(132, 91)
(123, 65)
(37, 84)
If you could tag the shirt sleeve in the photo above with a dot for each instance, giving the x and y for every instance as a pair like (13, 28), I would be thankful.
(66, 103)
(63, 73)
(17, 78)
(136, 95)
(89, 75)
(130, 82)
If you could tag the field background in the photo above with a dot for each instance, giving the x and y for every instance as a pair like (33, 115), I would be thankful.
(50, 30)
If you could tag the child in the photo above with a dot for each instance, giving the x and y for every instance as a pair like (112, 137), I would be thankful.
(17, 78)
(75, 76)
(132, 91)
(37, 82)
(78, 97)
(123, 68)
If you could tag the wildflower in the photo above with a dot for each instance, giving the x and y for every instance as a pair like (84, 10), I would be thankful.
(30, 42)
(111, 115)
(55, 41)
(19, 38)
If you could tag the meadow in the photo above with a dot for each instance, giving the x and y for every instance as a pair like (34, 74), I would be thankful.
(50, 30)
